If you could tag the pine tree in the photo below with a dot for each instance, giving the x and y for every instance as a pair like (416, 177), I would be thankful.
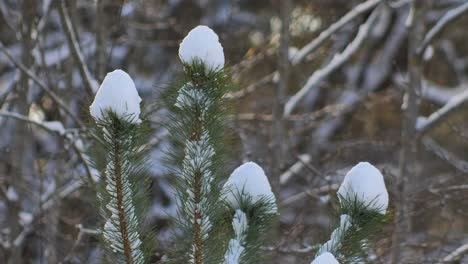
(197, 122)
(363, 202)
(121, 196)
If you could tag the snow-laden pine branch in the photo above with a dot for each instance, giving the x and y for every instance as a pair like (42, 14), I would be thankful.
(116, 110)
(119, 95)
(196, 125)
(202, 44)
(363, 200)
(236, 245)
(248, 181)
(365, 184)
(248, 193)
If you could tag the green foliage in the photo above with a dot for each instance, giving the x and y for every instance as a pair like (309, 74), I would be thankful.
(122, 191)
(261, 215)
(197, 128)
(360, 225)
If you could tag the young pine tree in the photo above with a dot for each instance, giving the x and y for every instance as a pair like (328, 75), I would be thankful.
(121, 135)
(197, 129)
(363, 202)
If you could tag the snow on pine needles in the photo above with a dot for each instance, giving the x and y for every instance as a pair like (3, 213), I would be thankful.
(116, 110)
(248, 180)
(118, 94)
(325, 258)
(202, 43)
(365, 183)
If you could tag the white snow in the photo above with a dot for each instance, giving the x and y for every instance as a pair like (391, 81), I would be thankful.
(11, 194)
(56, 126)
(325, 258)
(428, 53)
(366, 183)
(248, 179)
(337, 235)
(25, 218)
(235, 248)
(202, 43)
(239, 224)
(118, 94)
(233, 253)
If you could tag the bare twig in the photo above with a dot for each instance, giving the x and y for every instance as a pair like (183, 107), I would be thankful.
(251, 88)
(310, 193)
(90, 83)
(82, 156)
(431, 91)
(337, 61)
(326, 34)
(41, 84)
(446, 19)
(456, 255)
(376, 74)
(279, 141)
(457, 102)
(295, 168)
(445, 155)
(405, 180)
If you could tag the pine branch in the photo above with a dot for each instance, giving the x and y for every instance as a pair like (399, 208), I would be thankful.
(253, 211)
(120, 230)
(121, 196)
(197, 128)
(363, 202)
(195, 108)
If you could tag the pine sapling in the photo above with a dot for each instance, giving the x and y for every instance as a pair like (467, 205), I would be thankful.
(121, 196)
(252, 208)
(363, 202)
(197, 121)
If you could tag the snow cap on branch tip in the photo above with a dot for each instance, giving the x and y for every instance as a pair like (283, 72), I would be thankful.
(202, 43)
(118, 94)
(249, 180)
(325, 258)
(365, 183)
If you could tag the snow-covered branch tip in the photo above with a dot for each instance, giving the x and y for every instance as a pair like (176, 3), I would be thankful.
(249, 182)
(116, 110)
(248, 194)
(365, 184)
(202, 44)
(117, 94)
(363, 200)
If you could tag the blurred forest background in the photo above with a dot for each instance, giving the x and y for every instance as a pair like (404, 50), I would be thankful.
(322, 84)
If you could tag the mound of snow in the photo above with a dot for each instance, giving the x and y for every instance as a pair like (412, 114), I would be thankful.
(248, 179)
(118, 94)
(366, 183)
(202, 43)
(325, 258)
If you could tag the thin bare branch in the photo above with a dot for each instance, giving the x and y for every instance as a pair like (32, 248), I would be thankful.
(445, 155)
(337, 61)
(82, 156)
(455, 103)
(446, 19)
(89, 82)
(41, 84)
(456, 255)
(326, 34)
